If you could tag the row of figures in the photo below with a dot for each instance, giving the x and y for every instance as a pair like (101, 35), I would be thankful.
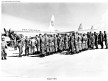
(48, 44)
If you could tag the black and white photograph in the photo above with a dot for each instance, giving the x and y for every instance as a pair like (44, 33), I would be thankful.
(54, 40)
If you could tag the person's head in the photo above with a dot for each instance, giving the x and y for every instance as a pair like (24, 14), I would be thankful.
(58, 34)
(104, 32)
(45, 34)
(65, 34)
(36, 35)
(100, 31)
(83, 34)
(76, 32)
(94, 32)
(54, 35)
(87, 33)
(39, 34)
(73, 33)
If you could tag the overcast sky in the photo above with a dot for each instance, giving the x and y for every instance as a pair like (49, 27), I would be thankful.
(68, 16)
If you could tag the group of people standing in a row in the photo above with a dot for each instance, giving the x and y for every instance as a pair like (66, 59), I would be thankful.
(53, 43)
(72, 43)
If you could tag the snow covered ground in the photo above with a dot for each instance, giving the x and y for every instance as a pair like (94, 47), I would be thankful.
(91, 63)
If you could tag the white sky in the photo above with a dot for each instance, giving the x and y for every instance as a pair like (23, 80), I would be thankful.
(68, 16)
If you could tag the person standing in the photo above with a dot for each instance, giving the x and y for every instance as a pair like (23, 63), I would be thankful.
(89, 40)
(53, 48)
(100, 38)
(34, 42)
(76, 43)
(80, 42)
(84, 41)
(66, 42)
(96, 40)
(72, 47)
(38, 44)
(55, 43)
(30, 45)
(27, 44)
(47, 44)
(3, 49)
(20, 46)
(58, 42)
(105, 39)
(92, 41)
(62, 43)
(50, 44)
(43, 45)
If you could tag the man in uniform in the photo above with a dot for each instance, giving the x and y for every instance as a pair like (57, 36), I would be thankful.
(15, 42)
(52, 44)
(92, 41)
(81, 39)
(61, 43)
(30, 45)
(48, 44)
(43, 45)
(84, 41)
(55, 43)
(80, 42)
(53, 48)
(34, 42)
(76, 43)
(27, 44)
(96, 40)
(105, 39)
(100, 38)
(89, 40)
(66, 42)
(69, 42)
(3, 48)
(72, 47)
(38, 39)
(58, 42)
(20, 45)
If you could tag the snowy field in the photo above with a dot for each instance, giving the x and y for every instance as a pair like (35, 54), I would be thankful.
(91, 63)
